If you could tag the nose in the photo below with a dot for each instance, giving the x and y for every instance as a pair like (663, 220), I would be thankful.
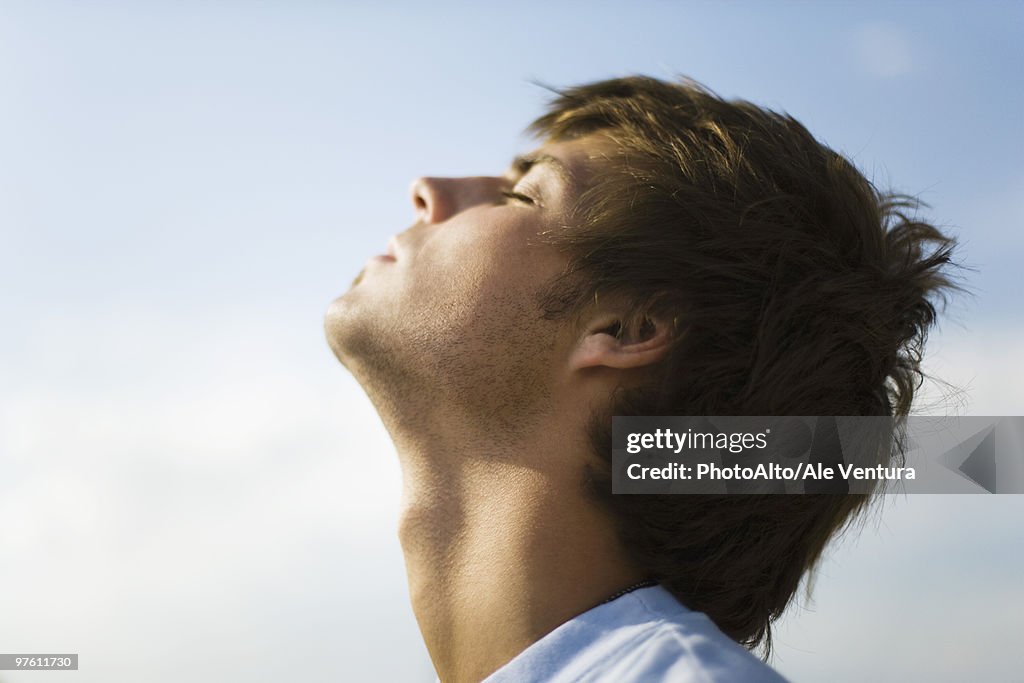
(438, 199)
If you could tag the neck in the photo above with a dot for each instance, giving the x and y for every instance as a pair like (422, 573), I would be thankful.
(501, 546)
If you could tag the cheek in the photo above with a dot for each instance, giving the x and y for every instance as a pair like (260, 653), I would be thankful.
(474, 266)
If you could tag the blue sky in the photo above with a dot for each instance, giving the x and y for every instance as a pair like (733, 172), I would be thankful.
(185, 186)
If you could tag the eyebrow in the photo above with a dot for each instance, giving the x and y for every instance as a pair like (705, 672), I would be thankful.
(524, 162)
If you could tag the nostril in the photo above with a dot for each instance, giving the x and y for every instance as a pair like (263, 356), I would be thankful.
(433, 199)
(418, 192)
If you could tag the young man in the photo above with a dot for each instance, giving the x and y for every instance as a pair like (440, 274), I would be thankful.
(663, 252)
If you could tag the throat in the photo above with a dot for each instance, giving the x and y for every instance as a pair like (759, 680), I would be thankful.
(498, 557)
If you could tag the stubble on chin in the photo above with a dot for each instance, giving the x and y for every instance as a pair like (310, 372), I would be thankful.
(490, 367)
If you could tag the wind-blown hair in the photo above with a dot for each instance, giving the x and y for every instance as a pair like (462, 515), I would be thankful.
(794, 287)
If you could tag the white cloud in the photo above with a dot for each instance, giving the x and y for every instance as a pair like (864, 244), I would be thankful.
(214, 493)
(220, 488)
(884, 50)
(980, 372)
(930, 589)
(931, 592)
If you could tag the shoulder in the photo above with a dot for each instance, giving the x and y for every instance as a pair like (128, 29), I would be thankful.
(646, 635)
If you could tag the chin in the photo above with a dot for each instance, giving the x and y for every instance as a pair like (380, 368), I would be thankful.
(337, 326)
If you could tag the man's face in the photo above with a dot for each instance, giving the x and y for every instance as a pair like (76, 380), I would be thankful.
(451, 309)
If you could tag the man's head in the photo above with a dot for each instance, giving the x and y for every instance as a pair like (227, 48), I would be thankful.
(451, 313)
(699, 257)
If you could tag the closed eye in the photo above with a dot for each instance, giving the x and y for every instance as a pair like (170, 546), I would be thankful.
(518, 197)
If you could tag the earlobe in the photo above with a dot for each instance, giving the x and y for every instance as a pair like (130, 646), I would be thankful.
(613, 344)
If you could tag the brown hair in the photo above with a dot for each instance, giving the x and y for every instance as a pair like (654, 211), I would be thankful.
(795, 288)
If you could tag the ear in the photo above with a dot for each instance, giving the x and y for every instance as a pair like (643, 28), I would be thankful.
(609, 341)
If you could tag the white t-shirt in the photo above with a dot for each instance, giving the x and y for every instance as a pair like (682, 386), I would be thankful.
(645, 635)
